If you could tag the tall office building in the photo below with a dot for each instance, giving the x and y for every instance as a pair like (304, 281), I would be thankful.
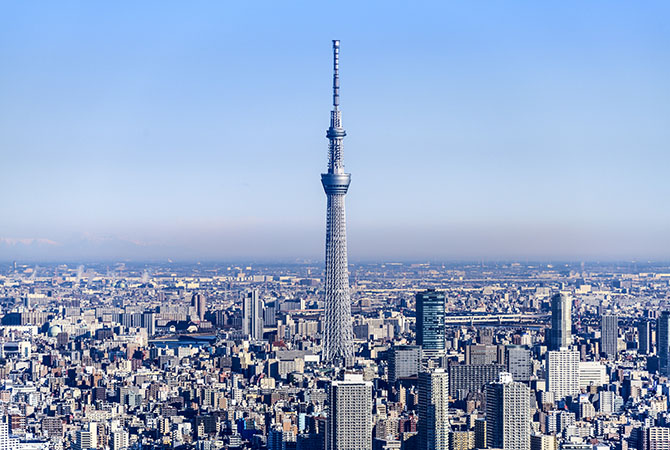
(404, 361)
(199, 302)
(270, 314)
(481, 354)
(338, 331)
(349, 422)
(252, 315)
(430, 331)
(508, 414)
(434, 410)
(643, 337)
(519, 362)
(563, 372)
(663, 342)
(560, 334)
(609, 333)
(592, 373)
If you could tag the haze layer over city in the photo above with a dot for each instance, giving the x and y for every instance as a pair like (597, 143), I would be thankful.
(379, 226)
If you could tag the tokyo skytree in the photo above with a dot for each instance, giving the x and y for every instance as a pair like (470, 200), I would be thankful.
(338, 334)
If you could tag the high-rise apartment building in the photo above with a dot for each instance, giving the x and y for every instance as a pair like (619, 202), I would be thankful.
(6, 442)
(508, 414)
(199, 302)
(119, 440)
(556, 421)
(349, 423)
(338, 331)
(651, 438)
(149, 322)
(87, 439)
(430, 331)
(609, 333)
(461, 440)
(562, 367)
(643, 337)
(252, 315)
(434, 410)
(467, 378)
(560, 334)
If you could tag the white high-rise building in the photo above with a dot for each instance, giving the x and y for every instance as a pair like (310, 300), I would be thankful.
(560, 334)
(87, 439)
(507, 414)
(119, 440)
(434, 410)
(349, 423)
(252, 315)
(6, 443)
(606, 402)
(563, 373)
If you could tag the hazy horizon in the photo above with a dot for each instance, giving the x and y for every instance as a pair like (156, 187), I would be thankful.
(161, 130)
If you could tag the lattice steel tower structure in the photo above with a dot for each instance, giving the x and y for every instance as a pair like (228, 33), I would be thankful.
(338, 333)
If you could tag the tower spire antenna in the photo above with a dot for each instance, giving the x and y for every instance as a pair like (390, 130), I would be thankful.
(336, 73)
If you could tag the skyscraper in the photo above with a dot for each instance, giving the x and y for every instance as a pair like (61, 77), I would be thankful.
(560, 334)
(252, 315)
(508, 414)
(609, 332)
(643, 337)
(349, 423)
(200, 303)
(563, 372)
(430, 331)
(434, 410)
(663, 342)
(404, 361)
(519, 362)
(338, 332)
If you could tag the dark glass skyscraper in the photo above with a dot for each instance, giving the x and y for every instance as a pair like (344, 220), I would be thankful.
(643, 337)
(609, 332)
(560, 334)
(663, 342)
(430, 321)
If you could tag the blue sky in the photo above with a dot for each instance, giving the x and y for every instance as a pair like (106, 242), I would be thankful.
(196, 130)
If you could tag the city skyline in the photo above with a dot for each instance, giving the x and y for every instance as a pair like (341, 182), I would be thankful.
(518, 132)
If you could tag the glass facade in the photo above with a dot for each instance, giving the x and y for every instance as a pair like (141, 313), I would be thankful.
(430, 309)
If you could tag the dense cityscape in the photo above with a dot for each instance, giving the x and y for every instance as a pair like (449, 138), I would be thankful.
(132, 351)
(514, 356)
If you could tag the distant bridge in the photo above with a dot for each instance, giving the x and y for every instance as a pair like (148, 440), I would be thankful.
(499, 319)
